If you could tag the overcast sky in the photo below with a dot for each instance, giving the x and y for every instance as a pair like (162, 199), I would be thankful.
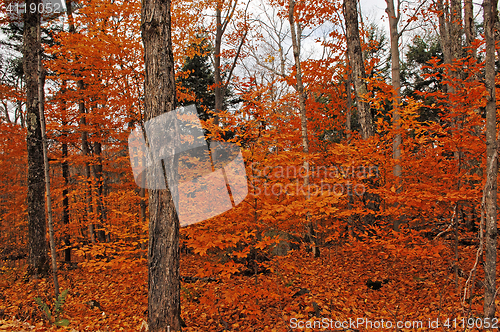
(373, 9)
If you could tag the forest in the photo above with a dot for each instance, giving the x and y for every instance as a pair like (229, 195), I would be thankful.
(248, 165)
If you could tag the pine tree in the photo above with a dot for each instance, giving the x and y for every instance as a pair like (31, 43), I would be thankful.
(199, 79)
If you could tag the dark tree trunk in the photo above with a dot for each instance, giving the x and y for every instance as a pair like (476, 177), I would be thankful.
(164, 307)
(39, 262)
(65, 164)
(357, 66)
(86, 152)
(65, 175)
(490, 190)
(65, 202)
(99, 176)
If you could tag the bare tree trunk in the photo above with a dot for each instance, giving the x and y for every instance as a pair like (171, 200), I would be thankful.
(65, 202)
(396, 84)
(296, 31)
(219, 31)
(164, 307)
(86, 168)
(98, 176)
(455, 29)
(221, 26)
(41, 104)
(64, 148)
(469, 25)
(349, 104)
(490, 190)
(142, 204)
(39, 263)
(358, 67)
(444, 32)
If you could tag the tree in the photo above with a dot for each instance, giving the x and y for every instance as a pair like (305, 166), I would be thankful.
(39, 263)
(357, 66)
(396, 85)
(296, 31)
(415, 78)
(164, 306)
(221, 25)
(490, 190)
(197, 78)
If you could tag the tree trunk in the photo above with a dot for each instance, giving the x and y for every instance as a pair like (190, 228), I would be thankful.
(455, 29)
(142, 204)
(490, 190)
(217, 54)
(64, 148)
(296, 31)
(396, 84)
(86, 168)
(65, 202)
(41, 104)
(349, 105)
(98, 175)
(469, 25)
(39, 262)
(357, 66)
(164, 307)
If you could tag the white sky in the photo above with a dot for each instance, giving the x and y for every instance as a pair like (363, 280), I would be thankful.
(374, 10)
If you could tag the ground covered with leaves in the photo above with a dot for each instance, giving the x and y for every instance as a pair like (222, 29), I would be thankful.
(371, 279)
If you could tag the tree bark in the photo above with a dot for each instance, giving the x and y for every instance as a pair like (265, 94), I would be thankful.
(64, 148)
(65, 175)
(164, 307)
(490, 190)
(219, 31)
(41, 109)
(469, 25)
(296, 31)
(39, 262)
(396, 84)
(358, 67)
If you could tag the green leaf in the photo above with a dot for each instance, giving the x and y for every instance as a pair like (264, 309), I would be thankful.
(60, 302)
(44, 307)
(62, 322)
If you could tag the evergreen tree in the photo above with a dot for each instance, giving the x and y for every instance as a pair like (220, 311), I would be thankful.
(413, 75)
(200, 79)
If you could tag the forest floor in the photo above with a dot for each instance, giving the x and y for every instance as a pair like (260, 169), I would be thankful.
(367, 282)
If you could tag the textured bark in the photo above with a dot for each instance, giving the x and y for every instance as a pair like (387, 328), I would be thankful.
(450, 31)
(86, 152)
(65, 175)
(39, 262)
(65, 202)
(444, 32)
(349, 105)
(219, 31)
(65, 164)
(164, 307)
(455, 30)
(98, 175)
(358, 67)
(490, 190)
(396, 84)
(296, 31)
(221, 84)
(41, 109)
(469, 25)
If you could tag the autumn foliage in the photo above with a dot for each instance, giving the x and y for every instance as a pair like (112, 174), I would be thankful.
(251, 268)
